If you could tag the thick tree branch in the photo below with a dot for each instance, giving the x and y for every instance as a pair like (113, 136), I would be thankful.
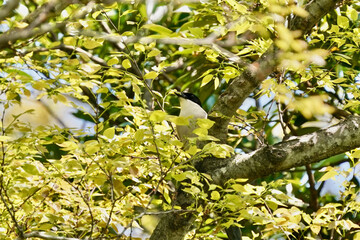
(254, 74)
(297, 151)
(316, 9)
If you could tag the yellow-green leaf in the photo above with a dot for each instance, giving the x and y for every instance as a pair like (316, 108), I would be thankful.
(343, 21)
(167, 197)
(109, 133)
(91, 44)
(206, 79)
(238, 187)
(352, 14)
(205, 123)
(201, 131)
(197, 32)
(356, 153)
(68, 146)
(179, 120)
(126, 63)
(151, 75)
(157, 116)
(139, 47)
(180, 177)
(158, 28)
(315, 228)
(154, 53)
(330, 174)
(91, 147)
(31, 169)
(113, 61)
(90, 68)
(216, 83)
(215, 195)
(69, 41)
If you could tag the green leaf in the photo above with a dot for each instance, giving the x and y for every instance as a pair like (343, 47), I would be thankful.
(200, 131)
(158, 116)
(238, 188)
(113, 61)
(31, 169)
(126, 64)
(218, 150)
(181, 121)
(159, 29)
(109, 133)
(128, 12)
(329, 175)
(180, 177)
(154, 53)
(193, 190)
(230, 72)
(167, 197)
(139, 47)
(91, 44)
(215, 195)
(68, 146)
(102, 90)
(70, 41)
(216, 83)
(90, 68)
(356, 153)
(206, 79)
(205, 123)
(352, 14)
(197, 32)
(91, 147)
(151, 75)
(343, 22)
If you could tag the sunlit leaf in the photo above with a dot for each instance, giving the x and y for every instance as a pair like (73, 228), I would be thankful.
(126, 63)
(109, 133)
(151, 75)
(342, 21)
(158, 28)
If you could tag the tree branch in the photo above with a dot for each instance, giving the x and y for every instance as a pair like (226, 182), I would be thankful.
(316, 9)
(297, 151)
(8, 8)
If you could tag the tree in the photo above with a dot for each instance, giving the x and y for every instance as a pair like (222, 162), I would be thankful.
(280, 82)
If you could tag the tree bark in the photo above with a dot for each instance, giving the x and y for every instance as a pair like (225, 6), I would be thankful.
(297, 151)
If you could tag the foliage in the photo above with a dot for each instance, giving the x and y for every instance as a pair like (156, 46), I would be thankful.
(117, 65)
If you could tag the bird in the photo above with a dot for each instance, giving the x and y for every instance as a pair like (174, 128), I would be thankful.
(190, 106)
